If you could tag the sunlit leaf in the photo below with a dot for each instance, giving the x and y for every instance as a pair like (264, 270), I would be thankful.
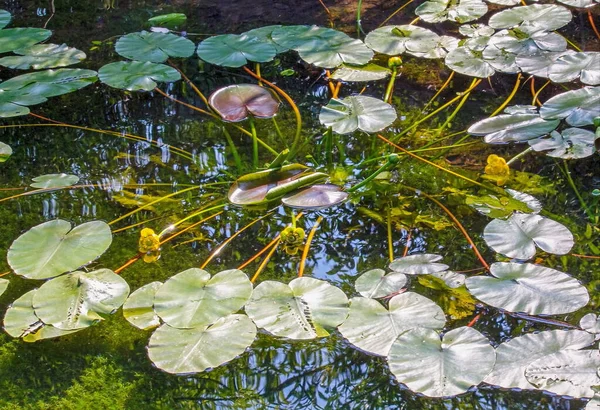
(546, 17)
(395, 40)
(468, 62)
(3, 285)
(583, 65)
(170, 20)
(447, 290)
(357, 112)
(369, 72)
(235, 102)
(419, 264)
(376, 284)
(463, 11)
(320, 196)
(136, 75)
(42, 56)
(512, 128)
(14, 38)
(590, 323)
(571, 143)
(153, 47)
(540, 62)
(5, 151)
(54, 181)
(265, 34)
(233, 50)
(578, 107)
(138, 309)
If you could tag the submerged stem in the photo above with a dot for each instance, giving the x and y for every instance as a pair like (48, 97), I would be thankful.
(519, 155)
(392, 160)
(307, 246)
(254, 142)
(510, 96)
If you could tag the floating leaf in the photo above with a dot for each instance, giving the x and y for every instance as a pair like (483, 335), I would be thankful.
(5, 150)
(442, 47)
(513, 356)
(138, 309)
(153, 47)
(54, 181)
(43, 56)
(517, 236)
(236, 102)
(369, 72)
(476, 30)
(193, 298)
(420, 264)
(568, 372)
(579, 3)
(136, 75)
(15, 103)
(571, 143)
(532, 202)
(14, 38)
(529, 288)
(357, 112)
(376, 284)
(194, 350)
(577, 107)
(5, 18)
(548, 17)
(463, 11)
(468, 62)
(331, 54)
(50, 83)
(265, 34)
(512, 127)
(440, 368)
(583, 65)
(395, 40)
(305, 309)
(320, 196)
(540, 62)
(78, 299)
(171, 20)
(373, 328)
(295, 37)
(52, 248)
(3, 285)
(232, 50)
(590, 323)
(451, 279)
(494, 206)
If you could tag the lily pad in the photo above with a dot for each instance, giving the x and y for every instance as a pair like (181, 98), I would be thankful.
(517, 236)
(184, 351)
(512, 128)
(529, 288)
(265, 34)
(320, 196)
(233, 50)
(373, 328)
(153, 47)
(294, 37)
(54, 181)
(376, 284)
(3, 285)
(583, 65)
(15, 103)
(463, 11)
(513, 356)
(451, 279)
(136, 75)
(579, 3)
(5, 151)
(331, 54)
(193, 298)
(548, 17)
(236, 102)
(532, 202)
(441, 48)
(357, 112)
(15, 38)
(138, 309)
(42, 56)
(5, 18)
(420, 264)
(465, 61)
(441, 367)
(539, 63)
(496, 207)
(369, 72)
(78, 299)
(171, 20)
(395, 40)
(590, 323)
(571, 143)
(476, 30)
(50, 83)
(52, 248)
(305, 309)
(577, 107)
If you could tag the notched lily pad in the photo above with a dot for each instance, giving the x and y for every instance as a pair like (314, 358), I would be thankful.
(15, 38)
(233, 50)
(420, 264)
(136, 75)
(369, 72)
(513, 128)
(546, 17)
(590, 323)
(153, 47)
(42, 56)
(582, 65)
(571, 143)
(357, 112)
(376, 284)
(49, 181)
(577, 107)
(236, 102)
(138, 309)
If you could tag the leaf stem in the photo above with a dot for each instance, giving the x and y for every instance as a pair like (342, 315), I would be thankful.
(309, 239)
(510, 96)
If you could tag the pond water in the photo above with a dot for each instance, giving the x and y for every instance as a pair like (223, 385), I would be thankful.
(107, 366)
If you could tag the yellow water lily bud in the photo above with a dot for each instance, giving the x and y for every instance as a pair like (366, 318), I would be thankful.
(293, 236)
(498, 169)
(149, 241)
(394, 62)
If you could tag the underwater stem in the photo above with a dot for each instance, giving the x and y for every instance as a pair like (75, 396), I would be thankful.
(395, 12)
(537, 93)
(262, 265)
(519, 155)
(582, 202)
(390, 241)
(254, 142)
(446, 83)
(392, 160)
(307, 246)
(191, 84)
(510, 96)
(591, 19)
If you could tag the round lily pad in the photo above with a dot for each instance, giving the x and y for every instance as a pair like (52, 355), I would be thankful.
(153, 47)
(136, 75)
(42, 56)
(50, 83)
(5, 18)
(5, 151)
(265, 34)
(138, 309)
(376, 284)
(14, 38)
(3, 285)
(571, 143)
(463, 11)
(512, 128)
(320, 196)
(420, 264)
(466, 61)
(578, 107)
(235, 102)
(233, 50)
(357, 112)
(15, 103)
(547, 17)
(54, 181)
(368, 72)
(395, 40)
(590, 323)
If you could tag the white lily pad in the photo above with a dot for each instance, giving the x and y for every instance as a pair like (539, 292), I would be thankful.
(442, 47)
(193, 298)
(373, 328)
(369, 72)
(463, 11)
(590, 323)
(465, 61)
(451, 279)
(532, 202)
(548, 17)
(42, 56)
(184, 351)
(420, 264)
(52, 248)
(153, 47)
(579, 3)
(376, 284)
(571, 143)
(136, 75)
(395, 40)
(476, 30)
(518, 235)
(54, 181)
(441, 367)
(583, 65)
(5, 151)
(305, 309)
(512, 128)
(319, 196)
(3, 285)
(357, 112)
(577, 107)
(513, 356)
(233, 50)
(138, 309)
(533, 289)
(539, 63)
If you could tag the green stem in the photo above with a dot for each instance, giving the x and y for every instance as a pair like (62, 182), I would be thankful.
(587, 210)
(519, 155)
(278, 130)
(170, 227)
(456, 110)
(392, 160)
(390, 87)
(358, 27)
(234, 151)
(329, 145)
(254, 142)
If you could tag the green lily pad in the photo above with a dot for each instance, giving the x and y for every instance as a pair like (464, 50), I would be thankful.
(78, 299)
(15, 103)
(577, 107)
(265, 34)
(3, 285)
(14, 38)
(357, 112)
(5, 151)
(295, 37)
(305, 308)
(496, 207)
(235, 102)
(233, 50)
(441, 367)
(513, 356)
(369, 72)
(548, 17)
(315, 197)
(590, 323)
(52, 248)
(465, 61)
(333, 53)
(512, 128)
(463, 11)
(395, 40)
(153, 47)
(171, 20)
(184, 351)
(136, 75)
(571, 143)
(420, 264)
(373, 328)
(42, 56)
(54, 181)
(138, 309)
(50, 83)
(5, 18)
(529, 288)
(584, 65)
(376, 284)
(193, 298)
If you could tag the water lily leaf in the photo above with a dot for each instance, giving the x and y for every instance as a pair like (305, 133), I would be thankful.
(171, 20)
(376, 284)
(54, 181)
(532, 202)
(3, 285)
(14, 38)
(577, 107)
(513, 356)
(451, 279)
(590, 323)
(153, 47)
(21, 321)
(571, 143)
(512, 128)
(584, 65)
(476, 30)
(193, 298)
(593, 404)
(136, 75)
(294, 37)
(305, 309)
(265, 34)
(138, 309)
(540, 62)
(235, 102)
(42, 56)
(527, 41)
(505, 2)
(320, 196)
(420, 264)
(395, 40)
(78, 299)
(369, 72)
(568, 372)
(357, 112)
(233, 50)
(463, 11)
(548, 17)
(5, 18)
(517, 236)
(529, 288)
(14, 103)
(441, 367)
(194, 350)
(494, 206)
(5, 150)
(52, 248)
(50, 83)
(331, 54)
(443, 45)
(465, 61)
(579, 3)
(373, 328)
(500, 59)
